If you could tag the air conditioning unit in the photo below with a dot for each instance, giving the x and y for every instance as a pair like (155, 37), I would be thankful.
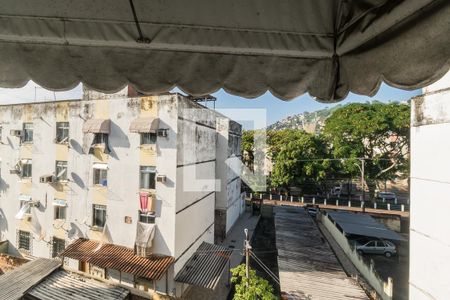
(15, 132)
(162, 132)
(161, 178)
(47, 179)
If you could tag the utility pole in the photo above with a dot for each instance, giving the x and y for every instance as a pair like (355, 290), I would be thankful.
(362, 185)
(247, 248)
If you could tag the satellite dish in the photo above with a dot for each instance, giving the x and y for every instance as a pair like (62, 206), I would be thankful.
(23, 210)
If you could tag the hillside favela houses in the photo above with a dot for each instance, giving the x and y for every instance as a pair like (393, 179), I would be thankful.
(118, 185)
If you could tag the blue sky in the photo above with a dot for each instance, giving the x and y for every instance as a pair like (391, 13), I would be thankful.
(276, 109)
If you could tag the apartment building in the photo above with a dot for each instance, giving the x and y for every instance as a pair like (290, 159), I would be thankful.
(113, 181)
(429, 269)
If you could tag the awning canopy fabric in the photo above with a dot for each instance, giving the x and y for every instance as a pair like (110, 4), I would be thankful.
(324, 47)
(96, 126)
(210, 257)
(100, 166)
(364, 225)
(144, 125)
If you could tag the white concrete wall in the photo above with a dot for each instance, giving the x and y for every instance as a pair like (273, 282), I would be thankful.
(430, 190)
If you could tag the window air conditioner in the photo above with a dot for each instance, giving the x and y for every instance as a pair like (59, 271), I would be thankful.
(162, 132)
(161, 178)
(47, 179)
(15, 132)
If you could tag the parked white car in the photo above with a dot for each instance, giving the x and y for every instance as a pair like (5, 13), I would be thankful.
(377, 247)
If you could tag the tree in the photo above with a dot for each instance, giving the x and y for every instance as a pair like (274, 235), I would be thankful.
(299, 160)
(258, 288)
(377, 132)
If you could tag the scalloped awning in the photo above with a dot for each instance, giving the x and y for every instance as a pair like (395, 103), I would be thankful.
(289, 47)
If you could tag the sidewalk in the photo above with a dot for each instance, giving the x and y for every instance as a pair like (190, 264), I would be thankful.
(235, 241)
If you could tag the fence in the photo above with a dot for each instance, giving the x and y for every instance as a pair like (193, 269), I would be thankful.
(309, 199)
(383, 288)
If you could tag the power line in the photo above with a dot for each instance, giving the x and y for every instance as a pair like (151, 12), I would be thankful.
(265, 268)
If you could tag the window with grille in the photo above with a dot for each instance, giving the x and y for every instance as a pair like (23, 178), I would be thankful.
(148, 138)
(100, 138)
(27, 133)
(24, 240)
(58, 246)
(99, 215)
(100, 177)
(26, 170)
(61, 170)
(60, 212)
(147, 177)
(146, 218)
(62, 132)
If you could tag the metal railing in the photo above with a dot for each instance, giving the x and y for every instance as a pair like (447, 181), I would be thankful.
(309, 199)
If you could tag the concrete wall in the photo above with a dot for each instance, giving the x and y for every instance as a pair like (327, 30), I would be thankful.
(430, 190)
(384, 289)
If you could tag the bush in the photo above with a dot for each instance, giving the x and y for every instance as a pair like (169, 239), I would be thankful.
(258, 288)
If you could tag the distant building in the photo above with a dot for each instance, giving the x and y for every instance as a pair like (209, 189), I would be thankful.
(430, 189)
(118, 172)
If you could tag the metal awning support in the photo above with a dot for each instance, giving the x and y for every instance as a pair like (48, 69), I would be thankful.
(144, 125)
(205, 266)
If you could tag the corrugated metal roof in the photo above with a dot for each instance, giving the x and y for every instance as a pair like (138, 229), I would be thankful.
(118, 258)
(363, 224)
(205, 266)
(63, 285)
(14, 284)
(308, 268)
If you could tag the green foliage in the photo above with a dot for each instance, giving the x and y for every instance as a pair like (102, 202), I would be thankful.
(378, 132)
(258, 288)
(295, 159)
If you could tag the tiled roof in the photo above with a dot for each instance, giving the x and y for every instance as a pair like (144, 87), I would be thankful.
(118, 258)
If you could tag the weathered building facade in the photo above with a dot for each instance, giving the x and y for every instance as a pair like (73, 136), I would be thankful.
(119, 171)
(430, 189)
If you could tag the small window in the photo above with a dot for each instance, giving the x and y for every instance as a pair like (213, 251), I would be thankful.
(62, 132)
(58, 246)
(24, 240)
(147, 177)
(148, 138)
(99, 216)
(61, 170)
(101, 177)
(26, 170)
(371, 244)
(27, 133)
(60, 212)
(100, 138)
(22, 203)
(146, 218)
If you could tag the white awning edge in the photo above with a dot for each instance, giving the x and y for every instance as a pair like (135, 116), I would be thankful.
(100, 166)
(59, 202)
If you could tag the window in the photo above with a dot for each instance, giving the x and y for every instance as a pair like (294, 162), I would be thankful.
(22, 203)
(100, 138)
(99, 216)
(146, 218)
(58, 246)
(60, 212)
(26, 169)
(100, 177)
(147, 175)
(61, 170)
(62, 132)
(24, 240)
(27, 133)
(148, 138)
